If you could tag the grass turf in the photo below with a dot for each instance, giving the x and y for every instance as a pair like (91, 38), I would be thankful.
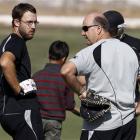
(38, 49)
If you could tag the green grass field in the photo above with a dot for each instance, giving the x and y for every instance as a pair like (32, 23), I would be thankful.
(38, 49)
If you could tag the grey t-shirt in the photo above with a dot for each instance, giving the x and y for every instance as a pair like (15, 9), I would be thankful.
(110, 67)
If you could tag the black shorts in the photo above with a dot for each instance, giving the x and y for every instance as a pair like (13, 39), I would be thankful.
(23, 126)
(126, 132)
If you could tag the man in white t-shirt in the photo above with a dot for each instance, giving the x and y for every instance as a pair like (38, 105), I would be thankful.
(117, 29)
(110, 68)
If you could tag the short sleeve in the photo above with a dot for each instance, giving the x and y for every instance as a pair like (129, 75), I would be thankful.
(16, 46)
(83, 61)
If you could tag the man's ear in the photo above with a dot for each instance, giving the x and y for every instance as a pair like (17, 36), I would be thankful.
(99, 30)
(64, 59)
(16, 22)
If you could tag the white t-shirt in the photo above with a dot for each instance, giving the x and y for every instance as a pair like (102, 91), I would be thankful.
(111, 68)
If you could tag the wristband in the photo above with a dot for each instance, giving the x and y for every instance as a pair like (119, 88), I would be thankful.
(28, 86)
(21, 92)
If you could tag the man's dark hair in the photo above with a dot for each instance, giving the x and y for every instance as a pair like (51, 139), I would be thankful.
(102, 21)
(115, 19)
(20, 9)
(58, 50)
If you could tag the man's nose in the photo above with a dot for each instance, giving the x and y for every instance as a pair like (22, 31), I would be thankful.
(82, 33)
(33, 25)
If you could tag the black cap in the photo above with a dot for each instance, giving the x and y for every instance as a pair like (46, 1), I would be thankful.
(114, 18)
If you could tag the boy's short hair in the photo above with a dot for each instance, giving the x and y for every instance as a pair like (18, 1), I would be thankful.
(58, 50)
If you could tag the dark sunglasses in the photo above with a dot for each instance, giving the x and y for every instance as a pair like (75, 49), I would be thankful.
(85, 28)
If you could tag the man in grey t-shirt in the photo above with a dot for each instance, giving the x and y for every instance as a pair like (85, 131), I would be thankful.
(117, 29)
(110, 67)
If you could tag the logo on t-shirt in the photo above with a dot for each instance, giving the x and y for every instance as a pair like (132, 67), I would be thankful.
(75, 56)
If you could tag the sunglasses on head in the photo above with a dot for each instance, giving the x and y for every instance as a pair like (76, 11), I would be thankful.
(85, 28)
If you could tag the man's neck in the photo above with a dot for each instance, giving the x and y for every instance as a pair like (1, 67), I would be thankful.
(104, 36)
(56, 62)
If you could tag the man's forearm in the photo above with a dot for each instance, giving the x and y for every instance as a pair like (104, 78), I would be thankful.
(11, 77)
(72, 81)
(68, 72)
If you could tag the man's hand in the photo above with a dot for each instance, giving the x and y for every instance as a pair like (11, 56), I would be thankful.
(93, 106)
(83, 93)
